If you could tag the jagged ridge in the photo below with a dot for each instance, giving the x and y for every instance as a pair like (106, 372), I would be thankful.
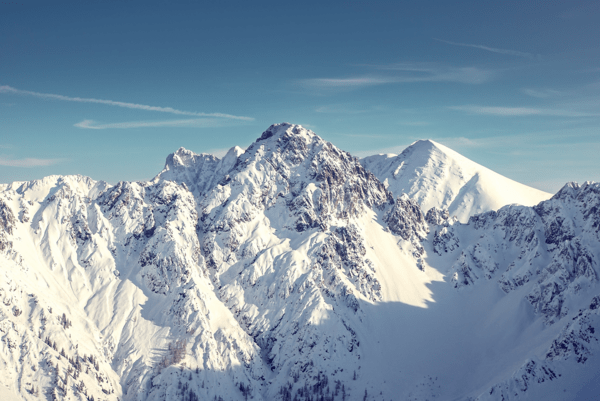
(288, 271)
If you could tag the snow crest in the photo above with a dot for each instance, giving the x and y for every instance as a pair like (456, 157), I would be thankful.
(290, 271)
(436, 176)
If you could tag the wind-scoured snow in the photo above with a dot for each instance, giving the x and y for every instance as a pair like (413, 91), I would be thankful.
(436, 176)
(289, 271)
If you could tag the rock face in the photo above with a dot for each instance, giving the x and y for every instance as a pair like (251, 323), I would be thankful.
(289, 271)
(435, 176)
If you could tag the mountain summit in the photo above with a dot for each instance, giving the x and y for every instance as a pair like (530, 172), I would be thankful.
(436, 176)
(289, 271)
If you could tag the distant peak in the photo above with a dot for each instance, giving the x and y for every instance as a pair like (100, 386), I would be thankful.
(232, 155)
(183, 152)
(181, 157)
(284, 128)
(570, 189)
(424, 143)
(235, 151)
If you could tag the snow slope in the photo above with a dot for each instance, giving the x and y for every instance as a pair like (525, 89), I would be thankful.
(436, 176)
(290, 272)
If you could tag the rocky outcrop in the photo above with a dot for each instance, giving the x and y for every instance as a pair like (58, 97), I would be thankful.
(7, 221)
(256, 276)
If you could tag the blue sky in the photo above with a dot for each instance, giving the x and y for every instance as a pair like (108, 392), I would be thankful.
(109, 89)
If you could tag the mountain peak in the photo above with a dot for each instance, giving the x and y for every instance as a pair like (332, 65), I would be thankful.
(291, 260)
(200, 172)
(182, 157)
(234, 151)
(427, 146)
(423, 143)
(436, 176)
(278, 130)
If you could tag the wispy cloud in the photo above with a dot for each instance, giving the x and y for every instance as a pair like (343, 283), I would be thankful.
(28, 162)
(415, 123)
(432, 72)
(349, 82)
(493, 49)
(541, 93)
(519, 111)
(11, 90)
(188, 123)
(339, 109)
(410, 73)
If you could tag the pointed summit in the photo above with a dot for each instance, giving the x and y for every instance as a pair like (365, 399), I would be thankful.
(200, 172)
(423, 144)
(181, 158)
(278, 130)
(436, 176)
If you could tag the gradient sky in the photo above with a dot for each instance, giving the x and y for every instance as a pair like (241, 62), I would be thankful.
(108, 89)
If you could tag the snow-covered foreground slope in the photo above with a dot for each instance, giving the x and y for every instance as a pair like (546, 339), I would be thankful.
(290, 272)
(436, 176)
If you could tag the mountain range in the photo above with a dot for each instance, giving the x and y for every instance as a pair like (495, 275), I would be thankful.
(292, 270)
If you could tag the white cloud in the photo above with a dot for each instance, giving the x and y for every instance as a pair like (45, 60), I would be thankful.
(413, 73)
(348, 82)
(8, 89)
(429, 72)
(339, 109)
(541, 93)
(188, 123)
(519, 111)
(28, 162)
(492, 49)
(415, 123)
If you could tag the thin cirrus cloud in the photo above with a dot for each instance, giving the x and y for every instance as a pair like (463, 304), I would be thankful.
(408, 73)
(28, 162)
(11, 90)
(415, 123)
(493, 49)
(348, 82)
(519, 111)
(339, 109)
(541, 93)
(190, 123)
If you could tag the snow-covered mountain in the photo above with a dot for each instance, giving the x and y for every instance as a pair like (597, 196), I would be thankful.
(288, 271)
(436, 176)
